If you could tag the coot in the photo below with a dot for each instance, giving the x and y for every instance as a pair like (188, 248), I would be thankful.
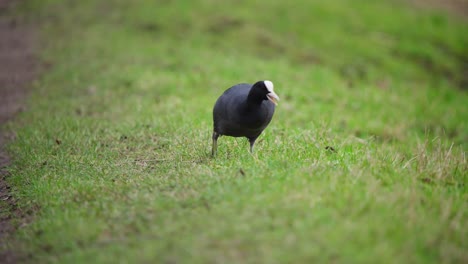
(244, 110)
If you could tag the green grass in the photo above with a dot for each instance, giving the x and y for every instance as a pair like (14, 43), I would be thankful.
(113, 152)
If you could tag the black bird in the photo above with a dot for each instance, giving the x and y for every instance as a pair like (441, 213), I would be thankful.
(244, 110)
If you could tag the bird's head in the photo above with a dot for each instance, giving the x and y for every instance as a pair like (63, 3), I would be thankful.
(266, 89)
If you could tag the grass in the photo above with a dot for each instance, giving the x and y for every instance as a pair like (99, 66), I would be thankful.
(113, 154)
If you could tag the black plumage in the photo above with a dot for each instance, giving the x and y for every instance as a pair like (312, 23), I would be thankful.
(244, 110)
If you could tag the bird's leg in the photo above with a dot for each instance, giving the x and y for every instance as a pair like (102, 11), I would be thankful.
(215, 143)
(252, 142)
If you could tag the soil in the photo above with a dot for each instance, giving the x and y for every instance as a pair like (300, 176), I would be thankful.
(455, 7)
(17, 70)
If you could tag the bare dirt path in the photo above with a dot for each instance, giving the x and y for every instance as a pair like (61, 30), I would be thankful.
(17, 70)
(455, 7)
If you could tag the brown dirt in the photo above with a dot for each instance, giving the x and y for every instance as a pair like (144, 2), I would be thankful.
(17, 70)
(456, 7)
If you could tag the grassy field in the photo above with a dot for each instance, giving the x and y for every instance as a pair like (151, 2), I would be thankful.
(364, 161)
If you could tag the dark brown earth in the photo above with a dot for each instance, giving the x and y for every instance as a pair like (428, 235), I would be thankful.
(456, 7)
(17, 70)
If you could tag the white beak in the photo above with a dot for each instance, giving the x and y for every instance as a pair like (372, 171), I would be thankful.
(273, 97)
